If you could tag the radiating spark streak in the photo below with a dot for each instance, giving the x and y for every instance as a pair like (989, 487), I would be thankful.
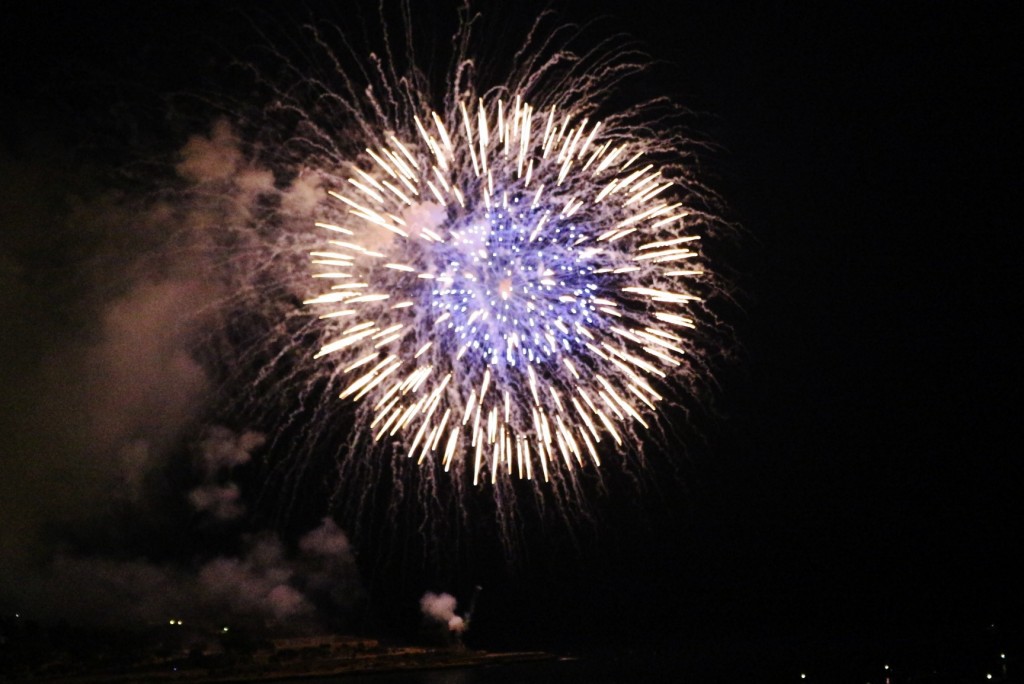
(332, 227)
(670, 219)
(665, 255)
(346, 341)
(449, 450)
(668, 243)
(362, 299)
(662, 295)
(440, 429)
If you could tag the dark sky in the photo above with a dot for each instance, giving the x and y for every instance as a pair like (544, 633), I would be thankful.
(861, 474)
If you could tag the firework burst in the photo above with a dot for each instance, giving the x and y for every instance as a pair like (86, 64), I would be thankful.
(506, 282)
(506, 287)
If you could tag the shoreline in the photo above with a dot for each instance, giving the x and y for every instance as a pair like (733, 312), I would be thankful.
(402, 661)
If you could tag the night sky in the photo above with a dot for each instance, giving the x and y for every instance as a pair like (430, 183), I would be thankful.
(856, 475)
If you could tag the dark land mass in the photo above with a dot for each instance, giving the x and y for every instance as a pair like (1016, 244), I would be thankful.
(173, 652)
(231, 659)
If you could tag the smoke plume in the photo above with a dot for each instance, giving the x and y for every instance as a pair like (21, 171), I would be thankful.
(262, 584)
(108, 298)
(441, 608)
(219, 452)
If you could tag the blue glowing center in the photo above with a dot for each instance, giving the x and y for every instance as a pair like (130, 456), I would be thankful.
(517, 285)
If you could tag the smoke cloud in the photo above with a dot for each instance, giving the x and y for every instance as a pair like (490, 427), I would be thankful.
(222, 501)
(219, 452)
(108, 299)
(441, 608)
(263, 584)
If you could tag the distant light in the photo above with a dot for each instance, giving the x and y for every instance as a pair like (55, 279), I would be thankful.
(225, 629)
(886, 667)
(803, 676)
(171, 622)
(1002, 655)
(988, 676)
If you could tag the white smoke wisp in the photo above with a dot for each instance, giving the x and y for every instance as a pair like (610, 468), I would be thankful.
(221, 450)
(221, 501)
(440, 608)
(255, 583)
(327, 541)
